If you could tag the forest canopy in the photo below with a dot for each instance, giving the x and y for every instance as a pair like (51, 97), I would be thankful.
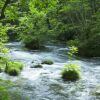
(75, 22)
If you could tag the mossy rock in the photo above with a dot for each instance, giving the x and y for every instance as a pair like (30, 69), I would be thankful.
(13, 71)
(71, 72)
(36, 66)
(47, 61)
(96, 91)
(13, 68)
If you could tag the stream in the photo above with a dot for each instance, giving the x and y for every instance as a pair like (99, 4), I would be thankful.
(46, 83)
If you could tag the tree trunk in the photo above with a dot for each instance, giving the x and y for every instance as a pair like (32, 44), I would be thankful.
(3, 9)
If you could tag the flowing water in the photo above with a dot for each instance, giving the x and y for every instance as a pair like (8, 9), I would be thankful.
(46, 83)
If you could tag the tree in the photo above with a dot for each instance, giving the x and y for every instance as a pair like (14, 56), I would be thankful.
(2, 15)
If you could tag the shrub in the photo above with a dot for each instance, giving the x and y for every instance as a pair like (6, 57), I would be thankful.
(71, 72)
(13, 68)
(47, 61)
(33, 44)
(72, 51)
(90, 48)
(74, 42)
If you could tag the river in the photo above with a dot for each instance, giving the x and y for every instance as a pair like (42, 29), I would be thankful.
(46, 83)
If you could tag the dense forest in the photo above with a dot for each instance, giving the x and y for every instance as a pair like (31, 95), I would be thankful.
(74, 24)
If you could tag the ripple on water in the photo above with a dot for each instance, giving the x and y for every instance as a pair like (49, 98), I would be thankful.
(46, 83)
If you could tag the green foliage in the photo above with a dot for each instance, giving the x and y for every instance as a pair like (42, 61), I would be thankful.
(2, 66)
(74, 42)
(4, 86)
(13, 68)
(33, 29)
(8, 93)
(3, 49)
(3, 31)
(71, 72)
(37, 22)
(72, 51)
(91, 47)
(47, 61)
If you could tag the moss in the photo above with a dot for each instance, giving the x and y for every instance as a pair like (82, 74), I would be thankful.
(13, 71)
(13, 68)
(47, 61)
(71, 72)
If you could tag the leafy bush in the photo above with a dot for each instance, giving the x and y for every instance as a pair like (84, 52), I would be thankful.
(33, 29)
(72, 51)
(33, 44)
(13, 68)
(71, 72)
(47, 61)
(74, 42)
(90, 48)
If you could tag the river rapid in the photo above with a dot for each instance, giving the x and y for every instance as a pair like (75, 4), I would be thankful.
(46, 83)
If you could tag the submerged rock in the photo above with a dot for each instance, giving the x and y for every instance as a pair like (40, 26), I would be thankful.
(32, 61)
